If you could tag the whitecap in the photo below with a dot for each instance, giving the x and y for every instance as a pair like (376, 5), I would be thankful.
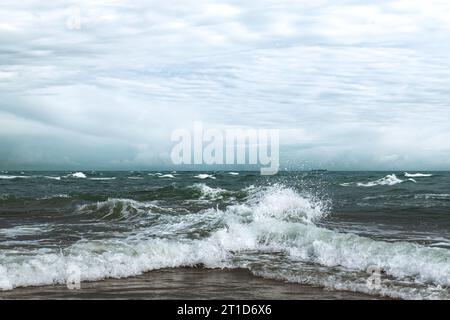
(9, 177)
(24, 230)
(55, 196)
(52, 178)
(77, 175)
(204, 176)
(389, 180)
(209, 192)
(417, 175)
(170, 176)
(346, 184)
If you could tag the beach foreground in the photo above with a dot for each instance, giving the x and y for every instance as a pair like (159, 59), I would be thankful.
(185, 283)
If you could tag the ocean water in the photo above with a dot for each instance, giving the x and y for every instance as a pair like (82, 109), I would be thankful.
(321, 229)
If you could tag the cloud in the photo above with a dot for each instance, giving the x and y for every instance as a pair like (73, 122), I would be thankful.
(362, 84)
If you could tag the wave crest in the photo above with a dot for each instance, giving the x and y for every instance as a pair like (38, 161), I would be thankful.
(287, 204)
(119, 209)
(389, 180)
(77, 175)
(417, 175)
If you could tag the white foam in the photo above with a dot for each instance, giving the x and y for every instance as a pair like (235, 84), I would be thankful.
(24, 230)
(346, 184)
(52, 178)
(170, 176)
(117, 209)
(389, 180)
(55, 196)
(209, 192)
(308, 243)
(9, 177)
(286, 204)
(233, 173)
(204, 176)
(98, 260)
(436, 196)
(417, 175)
(78, 175)
(103, 179)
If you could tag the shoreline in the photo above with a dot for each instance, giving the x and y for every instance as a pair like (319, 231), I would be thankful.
(187, 284)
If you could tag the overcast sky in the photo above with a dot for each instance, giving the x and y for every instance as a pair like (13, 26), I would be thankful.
(351, 84)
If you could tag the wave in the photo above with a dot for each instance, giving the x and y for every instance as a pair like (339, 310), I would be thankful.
(20, 199)
(434, 196)
(209, 193)
(204, 176)
(10, 177)
(117, 209)
(24, 230)
(417, 175)
(55, 196)
(389, 180)
(103, 179)
(77, 175)
(283, 203)
(273, 219)
(52, 178)
(127, 209)
(170, 176)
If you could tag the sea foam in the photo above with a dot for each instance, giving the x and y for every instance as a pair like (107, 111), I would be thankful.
(169, 176)
(417, 175)
(389, 180)
(78, 175)
(10, 177)
(204, 176)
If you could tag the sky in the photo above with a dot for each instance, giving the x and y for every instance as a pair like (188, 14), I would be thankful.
(102, 84)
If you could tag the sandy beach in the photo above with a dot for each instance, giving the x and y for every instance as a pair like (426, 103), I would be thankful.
(185, 283)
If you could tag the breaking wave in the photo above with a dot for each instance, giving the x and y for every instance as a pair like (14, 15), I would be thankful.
(389, 180)
(170, 176)
(417, 175)
(10, 177)
(77, 175)
(204, 176)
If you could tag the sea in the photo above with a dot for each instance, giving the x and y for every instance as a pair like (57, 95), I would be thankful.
(384, 234)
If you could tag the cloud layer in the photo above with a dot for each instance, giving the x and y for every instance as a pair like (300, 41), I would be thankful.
(102, 84)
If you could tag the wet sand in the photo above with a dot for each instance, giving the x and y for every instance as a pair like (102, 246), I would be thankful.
(185, 283)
